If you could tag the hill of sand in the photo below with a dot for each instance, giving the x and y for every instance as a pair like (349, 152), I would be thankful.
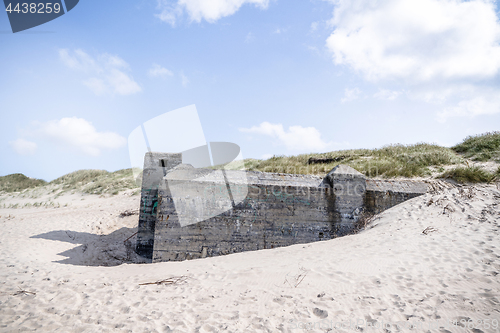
(432, 262)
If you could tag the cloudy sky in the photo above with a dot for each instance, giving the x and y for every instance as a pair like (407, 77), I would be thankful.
(273, 76)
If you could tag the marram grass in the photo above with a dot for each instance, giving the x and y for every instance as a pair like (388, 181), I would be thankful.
(389, 161)
(482, 147)
(473, 174)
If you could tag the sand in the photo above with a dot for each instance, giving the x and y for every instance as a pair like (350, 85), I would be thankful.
(430, 262)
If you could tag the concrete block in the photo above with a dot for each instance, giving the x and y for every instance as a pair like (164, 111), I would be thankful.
(272, 210)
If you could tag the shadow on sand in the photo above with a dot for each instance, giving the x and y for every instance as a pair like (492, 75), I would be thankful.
(97, 250)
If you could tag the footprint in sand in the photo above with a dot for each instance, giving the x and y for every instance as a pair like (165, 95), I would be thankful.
(320, 313)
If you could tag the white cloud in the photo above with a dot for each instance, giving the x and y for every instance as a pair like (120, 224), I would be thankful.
(23, 147)
(479, 104)
(440, 93)
(184, 79)
(350, 95)
(417, 40)
(108, 73)
(388, 95)
(314, 49)
(121, 83)
(80, 134)
(279, 31)
(208, 10)
(157, 70)
(296, 138)
(314, 26)
(249, 38)
(79, 60)
(98, 86)
(114, 61)
(444, 52)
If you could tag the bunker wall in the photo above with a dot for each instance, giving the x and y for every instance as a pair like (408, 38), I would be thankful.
(276, 209)
(270, 216)
(156, 165)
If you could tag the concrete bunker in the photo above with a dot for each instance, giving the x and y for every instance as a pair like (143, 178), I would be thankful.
(189, 213)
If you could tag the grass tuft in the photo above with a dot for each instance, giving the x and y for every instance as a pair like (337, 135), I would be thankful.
(79, 177)
(18, 182)
(472, 174)
(482, 147)
(97, 181)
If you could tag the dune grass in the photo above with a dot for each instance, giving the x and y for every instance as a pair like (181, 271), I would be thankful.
(482, 147)
(389, 161)
(473, 174)
(84, 181)
(78, 178)
(18, 182)
(97, 181)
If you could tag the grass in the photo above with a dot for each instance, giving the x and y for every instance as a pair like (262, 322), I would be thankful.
(84, 181)
(97, 181)
(18, 182)
(389, 161)
(80, 177)
(472, 174)
(483, 147)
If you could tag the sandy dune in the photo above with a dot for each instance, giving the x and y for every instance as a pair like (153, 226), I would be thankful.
(60, 272)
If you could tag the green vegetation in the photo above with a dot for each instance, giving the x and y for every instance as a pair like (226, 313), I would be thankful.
(472, 174)
(78, 178)
(483, 147)
(18, 182)
(390, 161)
(85, 181)
(97, 181)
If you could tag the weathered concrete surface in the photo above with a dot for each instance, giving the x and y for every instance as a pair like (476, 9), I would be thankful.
(156, 166)
(273, 214)
(383, 194)
(349, 187)
(258, 210)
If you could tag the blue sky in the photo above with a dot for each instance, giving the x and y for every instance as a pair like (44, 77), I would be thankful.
(273, 76)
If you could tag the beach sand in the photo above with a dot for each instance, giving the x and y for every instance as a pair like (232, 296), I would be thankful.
(428, 262)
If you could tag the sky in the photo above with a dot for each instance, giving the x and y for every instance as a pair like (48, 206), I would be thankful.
(275, 77)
